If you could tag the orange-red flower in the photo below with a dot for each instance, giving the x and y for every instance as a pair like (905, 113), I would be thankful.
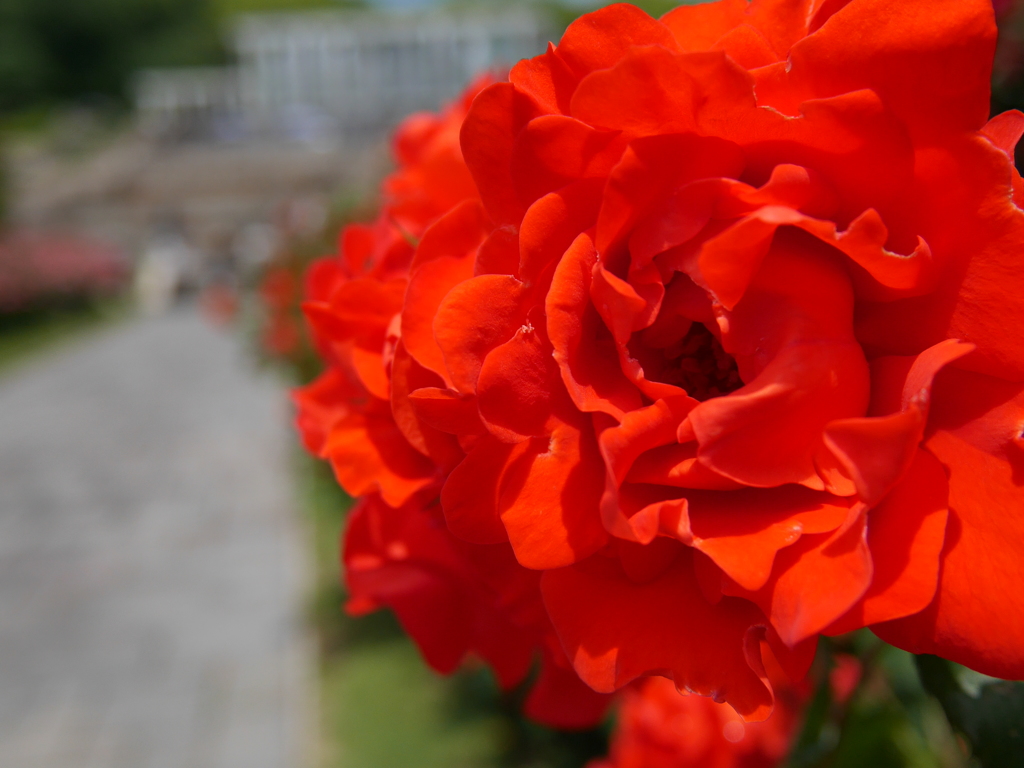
(660, 728)
(732, 337)
(728, 347)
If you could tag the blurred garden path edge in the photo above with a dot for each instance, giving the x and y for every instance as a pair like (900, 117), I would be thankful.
(152, 567)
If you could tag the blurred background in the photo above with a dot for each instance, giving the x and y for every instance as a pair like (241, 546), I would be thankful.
(169, 587)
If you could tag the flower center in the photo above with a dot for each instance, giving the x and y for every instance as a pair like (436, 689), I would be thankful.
(696, 362)
(707, 370)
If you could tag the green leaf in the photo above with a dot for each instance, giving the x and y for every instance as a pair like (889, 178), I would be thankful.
(988, 712)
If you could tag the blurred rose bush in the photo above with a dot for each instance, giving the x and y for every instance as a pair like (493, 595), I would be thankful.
(710, 345)
(38, 269)
(660, 728)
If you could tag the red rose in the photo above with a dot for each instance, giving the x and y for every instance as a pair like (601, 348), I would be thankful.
(660, 728)
(732, 339)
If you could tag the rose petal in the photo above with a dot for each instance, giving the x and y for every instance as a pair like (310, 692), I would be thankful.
(470, 494)
(931, 62)
(976, 234)
(1004, 131)
(406, 376)
(600, 39)
(552, 223)
(628, 632)
(665, 103)
(554, 150)
(976, 617)
(747, 47)
(499, 253)
(588, 363)
(473, 318)
(560, 699)
(520, 389)
(905, 536)
(549, 499)
(547, 80)
(698, 27)
(816, 580)
(795, 321)
(742, 531)
(488, 136)
(876, 451)
(443, 259)
(368, 453)
(447, 410)
(652, 168)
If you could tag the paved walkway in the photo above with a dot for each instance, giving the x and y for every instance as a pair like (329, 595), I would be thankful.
(151, 569)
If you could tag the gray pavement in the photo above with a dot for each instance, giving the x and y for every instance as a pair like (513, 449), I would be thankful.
(151, 566)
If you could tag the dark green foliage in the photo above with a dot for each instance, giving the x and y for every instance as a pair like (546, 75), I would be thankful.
(27, 333)
(85, 50)
(890, 721)
(564, 14)
(990, 713)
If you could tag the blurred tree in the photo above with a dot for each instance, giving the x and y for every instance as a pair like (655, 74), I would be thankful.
(74, 50)
(55, 51)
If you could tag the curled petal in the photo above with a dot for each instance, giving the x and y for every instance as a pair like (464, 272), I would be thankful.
(792, 340)
(876, 451)
(650, 169)
(368, 453)
(931, 63)
(600, 39)
(976, 234)
(905, 535)
(976, 616)
(554, 150)
(640, 430)
(444, 259)
(552, 223)
(817, 580)
(588, 362)
(520, 390)
(473, 318)
(1004, 131)
(406, 376)
(488, 137)
(547, 80)
(767, 434)
(549, 499)
(470, 494)
(322, 403)
(743, 530)
(628, 633)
